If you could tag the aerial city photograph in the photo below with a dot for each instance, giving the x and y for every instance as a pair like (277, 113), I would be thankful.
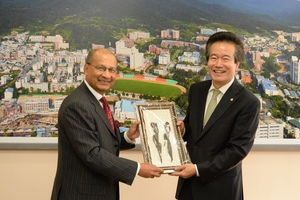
(43, 50)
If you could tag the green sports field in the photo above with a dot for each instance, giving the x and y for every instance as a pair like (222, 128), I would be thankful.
(150, 88)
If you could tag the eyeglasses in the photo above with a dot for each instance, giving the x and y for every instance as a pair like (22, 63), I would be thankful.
(102, 69)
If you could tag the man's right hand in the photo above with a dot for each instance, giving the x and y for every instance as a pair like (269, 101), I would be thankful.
(148, 170)
(180, 124)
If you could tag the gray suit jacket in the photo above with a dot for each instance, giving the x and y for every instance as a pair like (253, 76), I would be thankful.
(219, 148)
(89, 166)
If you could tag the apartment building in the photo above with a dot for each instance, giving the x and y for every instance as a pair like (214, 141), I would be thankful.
(170, 33)
(269, 127)
(33, 105)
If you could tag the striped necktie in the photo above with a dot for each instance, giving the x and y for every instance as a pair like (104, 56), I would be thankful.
(107, 111)
(211, 106)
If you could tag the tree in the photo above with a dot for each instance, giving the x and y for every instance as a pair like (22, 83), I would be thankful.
(182, 101)
(5, 132)
(270, 65)
(33, 134)
(296, 111)
(276, 113)
(203, 71)
(190, 73)
(196, 79)
(266, 74)
(291, 135)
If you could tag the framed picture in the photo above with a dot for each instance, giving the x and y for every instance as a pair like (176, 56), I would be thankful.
(161, 141)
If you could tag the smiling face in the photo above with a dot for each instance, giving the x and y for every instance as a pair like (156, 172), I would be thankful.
(221, 63)
(101, 81)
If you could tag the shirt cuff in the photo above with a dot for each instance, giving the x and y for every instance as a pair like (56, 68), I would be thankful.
(197, 173)
(138, 169)
(127, 139)
(183, 132)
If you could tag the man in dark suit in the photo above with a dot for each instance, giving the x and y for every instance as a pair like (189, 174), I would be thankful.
(89, 166)
(217, 145)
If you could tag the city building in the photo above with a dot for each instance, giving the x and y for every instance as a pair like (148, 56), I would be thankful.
(164, 58)
(161, 71)
(268, 86)
(43, 86)
(139, 35)
(35, 105)
(125, 110)
(154, 49)
(295, 37)
(245, 76)
(207, 31)
(57, 103)
(294, 127)
(136, 61)
(4, 79)
(295, 70)
(2, 111)
(9, 93)
(188, 67)
(170, 33)
(269, 127)
(97, 46)
(37, 38)
(122, 49)
(174, 43)
(257, 61)
(192, 57)
(201, 38)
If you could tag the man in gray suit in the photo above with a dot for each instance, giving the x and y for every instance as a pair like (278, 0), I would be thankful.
(89, 166)
(218, 144)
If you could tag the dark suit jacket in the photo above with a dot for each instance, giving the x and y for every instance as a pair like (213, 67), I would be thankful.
(219, 148)
(88, 164)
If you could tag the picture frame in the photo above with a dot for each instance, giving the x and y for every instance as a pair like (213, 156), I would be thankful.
(161, 140)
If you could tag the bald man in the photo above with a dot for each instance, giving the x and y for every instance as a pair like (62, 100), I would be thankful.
(89, 166)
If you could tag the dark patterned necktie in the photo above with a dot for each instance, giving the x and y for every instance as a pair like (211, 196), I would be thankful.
(107, 112)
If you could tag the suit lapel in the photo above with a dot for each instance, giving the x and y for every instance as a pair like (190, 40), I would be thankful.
(225, 103)
(201, 99)
(99, 110)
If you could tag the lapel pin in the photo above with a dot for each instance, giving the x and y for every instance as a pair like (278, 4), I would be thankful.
(231, 99)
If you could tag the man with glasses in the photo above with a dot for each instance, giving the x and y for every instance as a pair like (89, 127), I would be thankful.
(89, 166)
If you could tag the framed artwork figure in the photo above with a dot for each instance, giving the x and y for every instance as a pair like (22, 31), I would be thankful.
(161, 141)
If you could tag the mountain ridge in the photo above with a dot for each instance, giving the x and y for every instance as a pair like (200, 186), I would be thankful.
(92, 21)
(284, 12)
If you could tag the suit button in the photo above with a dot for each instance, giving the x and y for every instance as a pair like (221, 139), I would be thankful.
(196, 147)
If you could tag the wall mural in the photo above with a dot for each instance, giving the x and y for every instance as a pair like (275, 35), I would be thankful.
(160, 50)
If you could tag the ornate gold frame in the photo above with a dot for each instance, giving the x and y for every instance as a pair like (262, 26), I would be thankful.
(161, 141)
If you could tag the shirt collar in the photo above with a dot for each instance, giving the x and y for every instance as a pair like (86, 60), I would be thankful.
(223, 89)
(96, 94)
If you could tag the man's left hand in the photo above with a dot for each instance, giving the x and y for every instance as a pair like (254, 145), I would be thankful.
(133, 131)
(185, 171)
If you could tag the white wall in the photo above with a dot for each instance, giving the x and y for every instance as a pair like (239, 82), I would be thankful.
(268, 175)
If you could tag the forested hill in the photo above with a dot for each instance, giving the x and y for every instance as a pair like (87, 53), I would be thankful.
(100, 21)
(281, 11)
